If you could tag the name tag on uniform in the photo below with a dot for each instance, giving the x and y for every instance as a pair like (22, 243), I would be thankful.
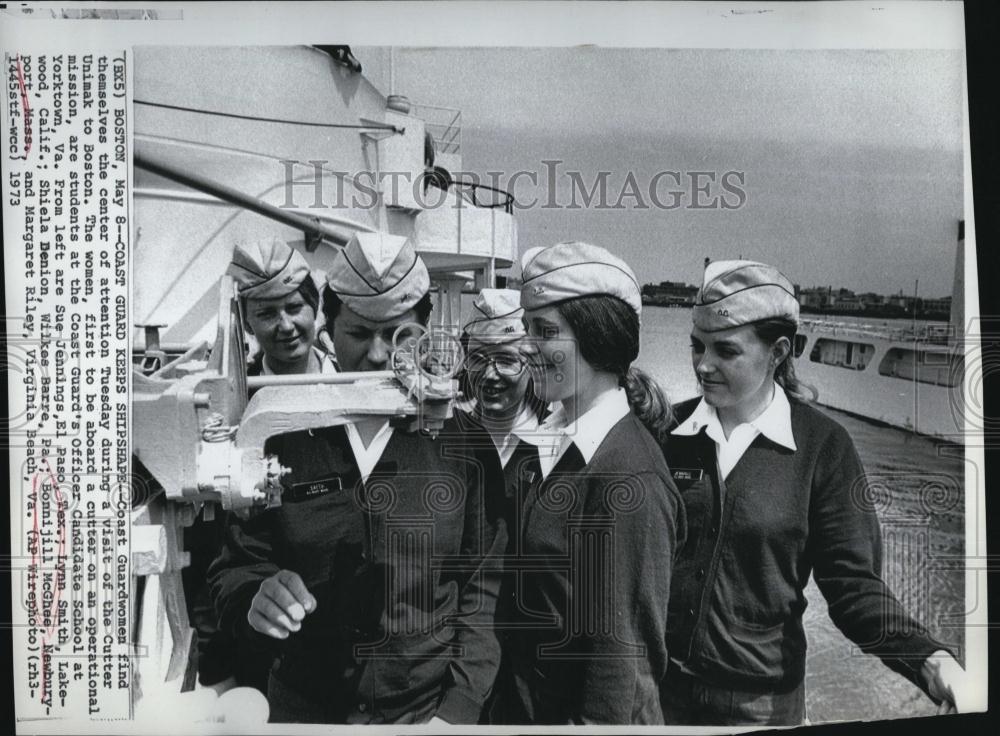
(312, 488)
(687, 473)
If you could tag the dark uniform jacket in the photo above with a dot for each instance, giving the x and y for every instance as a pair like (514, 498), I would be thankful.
(519, 474)
(594, 555)
(754, 538)
(509, 494)
(219, 655)
(404, 568)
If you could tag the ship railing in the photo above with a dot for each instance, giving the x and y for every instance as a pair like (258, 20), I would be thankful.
(445, 127)
(481, 195)
(443, 123)
(934, 334)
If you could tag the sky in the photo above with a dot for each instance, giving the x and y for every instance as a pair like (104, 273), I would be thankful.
(849, 161)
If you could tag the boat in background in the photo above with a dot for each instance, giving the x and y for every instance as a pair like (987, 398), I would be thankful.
(906, 376)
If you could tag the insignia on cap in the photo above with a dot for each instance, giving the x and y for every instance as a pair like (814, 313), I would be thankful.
(378, 275)
(573, 269)
(496, 317)
(267, 268)
(735, 293)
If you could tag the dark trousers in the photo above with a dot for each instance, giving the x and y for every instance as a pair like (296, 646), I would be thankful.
(522, 695)
(289, 706)
(688, 700)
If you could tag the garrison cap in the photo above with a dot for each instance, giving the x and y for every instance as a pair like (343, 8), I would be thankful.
(267, 269)
(379, 276)
(735, 293)
(496, 317)
(571, 270)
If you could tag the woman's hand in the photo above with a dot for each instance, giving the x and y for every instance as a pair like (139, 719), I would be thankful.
(280, 605)
(947, 683)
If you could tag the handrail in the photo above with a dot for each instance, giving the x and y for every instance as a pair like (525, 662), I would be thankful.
(472, 188)
(929, 334)
(445, 130)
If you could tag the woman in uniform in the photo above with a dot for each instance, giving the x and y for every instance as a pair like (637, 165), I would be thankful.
(774, 491)
(374, 582)
(499, 385)
(504, 413)
(599, 526)
(280, 303)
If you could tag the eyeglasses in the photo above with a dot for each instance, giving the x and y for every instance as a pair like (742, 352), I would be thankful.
(508, 366)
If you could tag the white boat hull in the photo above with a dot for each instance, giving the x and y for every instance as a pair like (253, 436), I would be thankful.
(920, 407)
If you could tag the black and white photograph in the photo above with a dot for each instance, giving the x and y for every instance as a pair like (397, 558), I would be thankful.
(508, 384)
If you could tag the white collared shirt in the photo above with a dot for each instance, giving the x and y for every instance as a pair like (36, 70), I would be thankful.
(587, 432)
(368, 457)
(775, 423)
(525, 428)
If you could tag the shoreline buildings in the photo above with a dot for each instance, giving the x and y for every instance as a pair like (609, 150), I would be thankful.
(821, 300)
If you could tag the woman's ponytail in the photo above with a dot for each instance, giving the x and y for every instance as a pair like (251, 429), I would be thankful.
(607, 333)
(648, 402)
(770, 331)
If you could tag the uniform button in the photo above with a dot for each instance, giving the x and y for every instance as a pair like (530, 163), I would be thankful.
(362, 707)
(690, 612)
(715, 530)
(700, 575)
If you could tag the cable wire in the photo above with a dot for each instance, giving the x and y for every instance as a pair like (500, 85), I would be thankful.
(236, 116)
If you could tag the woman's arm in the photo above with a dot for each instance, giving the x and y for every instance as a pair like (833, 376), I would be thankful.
(845, 549)
(625, 578)
(235, 577)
